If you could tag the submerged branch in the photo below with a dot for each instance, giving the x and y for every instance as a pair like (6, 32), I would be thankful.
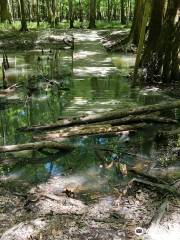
(36, 146)
(88, 130)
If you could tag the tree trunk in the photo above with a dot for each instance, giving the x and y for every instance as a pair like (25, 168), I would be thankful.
(109, 10)
(157, 14)
(123, 17)
(136, 23)
(49, 11)
(10, 14)
(53, 13)
(81, 13)
(163, 65)
(142, 35)
(92, 14)
(37, 13)
(71, 14)
(23, 17)
(4, 14)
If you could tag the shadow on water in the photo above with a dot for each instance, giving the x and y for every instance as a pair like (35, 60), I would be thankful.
(92, 84)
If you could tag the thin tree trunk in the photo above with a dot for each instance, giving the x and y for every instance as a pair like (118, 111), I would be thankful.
(123, 17)
(92, 14)
(81, 13)
(71, 14)
(37, 12)
(49, 11)
(136, 23)
(53, 13)
(146, 15)
(23, 17)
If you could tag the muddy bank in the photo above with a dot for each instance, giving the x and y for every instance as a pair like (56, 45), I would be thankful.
(117, 41)
(14, 40)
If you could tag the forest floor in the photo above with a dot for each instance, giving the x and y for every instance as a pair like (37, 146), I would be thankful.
(48, 212)
(58, 209)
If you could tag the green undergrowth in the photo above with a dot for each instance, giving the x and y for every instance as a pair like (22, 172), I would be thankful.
(62, 25)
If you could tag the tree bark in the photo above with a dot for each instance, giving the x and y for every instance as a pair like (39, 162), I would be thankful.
(49, 11)
(37, 12)
(53, 13)
(142, 36)
(71, 14)
(155, 25)
(88, 130)
(23, 17)
(136, 23)
(123, 17)
(163, 65)
(4, 10)
(92, 14)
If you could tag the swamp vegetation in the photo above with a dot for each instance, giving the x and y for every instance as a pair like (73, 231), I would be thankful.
(89, 119)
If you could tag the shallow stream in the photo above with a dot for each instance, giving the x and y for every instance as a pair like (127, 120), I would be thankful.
(94, 82)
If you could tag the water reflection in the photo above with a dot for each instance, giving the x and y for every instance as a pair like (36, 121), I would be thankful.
(94, 85)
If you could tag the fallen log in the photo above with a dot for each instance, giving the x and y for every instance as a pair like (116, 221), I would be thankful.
(36, 146)
(9, 89)
(170, 133)
(163, 187)
(170, 173)
(142, 119)
(112, 115)
(144, 169)
(88, 130)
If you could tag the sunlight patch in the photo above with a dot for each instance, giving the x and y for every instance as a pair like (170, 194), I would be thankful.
(95, 71)
(92, 36)
(79, 101)
(84, 54)
(163, 233)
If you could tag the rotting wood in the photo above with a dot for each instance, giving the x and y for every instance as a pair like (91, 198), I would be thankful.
(36, 146)
(163, 187)
(157, 174)
(146, 14)
(9, 89)
(170, 133)
(142, 119)
(88, 130)
(160, 213)
(98, 118)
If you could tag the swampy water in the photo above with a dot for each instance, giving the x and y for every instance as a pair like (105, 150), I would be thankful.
(93, 82)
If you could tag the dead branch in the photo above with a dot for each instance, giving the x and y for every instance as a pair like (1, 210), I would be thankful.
(99, 118)
(36, 146)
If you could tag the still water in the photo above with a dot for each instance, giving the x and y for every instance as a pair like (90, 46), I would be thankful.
(93, 82)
